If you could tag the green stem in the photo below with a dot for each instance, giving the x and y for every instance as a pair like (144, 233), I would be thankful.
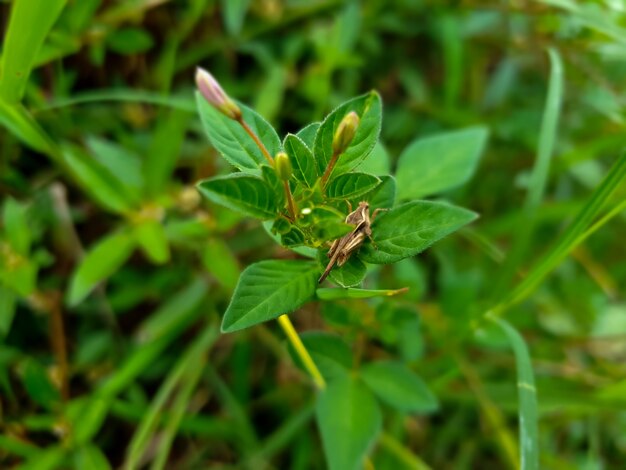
(329, 168)
(290, 202)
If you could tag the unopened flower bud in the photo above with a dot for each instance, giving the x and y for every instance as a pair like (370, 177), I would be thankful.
(215, 95)
(282, 165)
(345, 132)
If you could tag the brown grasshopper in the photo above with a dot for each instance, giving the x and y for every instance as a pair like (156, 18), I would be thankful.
(342, 248)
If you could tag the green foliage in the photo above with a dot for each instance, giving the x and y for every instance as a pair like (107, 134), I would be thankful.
(396, 385)
(127, 236)
(438, 163)
(349, 419)
(268, 289)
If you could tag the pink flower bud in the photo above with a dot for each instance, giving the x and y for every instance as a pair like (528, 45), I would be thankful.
(215, 95)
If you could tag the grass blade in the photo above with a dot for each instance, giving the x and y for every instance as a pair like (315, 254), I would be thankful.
(539, 176)
(185, 370)
(193, 371)
(527, 394)
(573, 236)
(29, 25)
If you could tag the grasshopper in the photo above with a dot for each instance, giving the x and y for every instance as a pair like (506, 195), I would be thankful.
(342, 248)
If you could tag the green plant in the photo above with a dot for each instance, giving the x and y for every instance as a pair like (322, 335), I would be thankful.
(301, 188)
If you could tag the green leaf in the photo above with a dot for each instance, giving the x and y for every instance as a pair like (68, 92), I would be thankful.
(15, 219)
(269, 289)
(369, 109)
(98, 181)
(100, 262)
(129, 41)
(219, 260)
(410, 228)
(232, 141)
(335, 294)
(302, 160)
(172, 313)
(233, 13)
(377, 162)
(329, 353)
(29, 24)
(349, 420)
(382, 196)
(349, 275)
(307, 134)
(527, 395)
(7, 311)
(38, 384)
(21, 123)
(85, 416)
(351, 185)
(581, 227)
(49, 459)
(167, 140)
(440, 162)
(305, 251)
(19, 274)
(525, 226)
(91, 457)
(271, 178)
(122, 164)
(241, 192)
(399, 387)
(151, 238)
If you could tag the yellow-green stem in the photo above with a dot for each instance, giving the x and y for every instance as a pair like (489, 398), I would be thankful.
(301, 351)
(256, 139)
(307, 360)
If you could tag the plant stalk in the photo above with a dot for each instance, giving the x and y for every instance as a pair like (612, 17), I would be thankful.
(256, 139)
(301, 351)
(291, 205)
(329, 168)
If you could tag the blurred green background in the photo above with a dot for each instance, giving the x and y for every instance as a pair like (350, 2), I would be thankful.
(115, 361)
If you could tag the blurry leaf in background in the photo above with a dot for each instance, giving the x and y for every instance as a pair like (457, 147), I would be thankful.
(98, 181)
(121, 163)
(527, 398)
(268, 289)
(233, 13)
(100, 261)
(37, 383)
(329, 352)
(349, 419)
(399, 387)
(219, 260)
(7, 310)
(164, 151)
(29, 24)
(151, 238)
(430, 165)
(130, 41)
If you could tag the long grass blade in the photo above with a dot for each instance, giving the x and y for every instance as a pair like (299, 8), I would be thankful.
(576, 232)
(527, 395)
(29, 25)
(539, 177)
